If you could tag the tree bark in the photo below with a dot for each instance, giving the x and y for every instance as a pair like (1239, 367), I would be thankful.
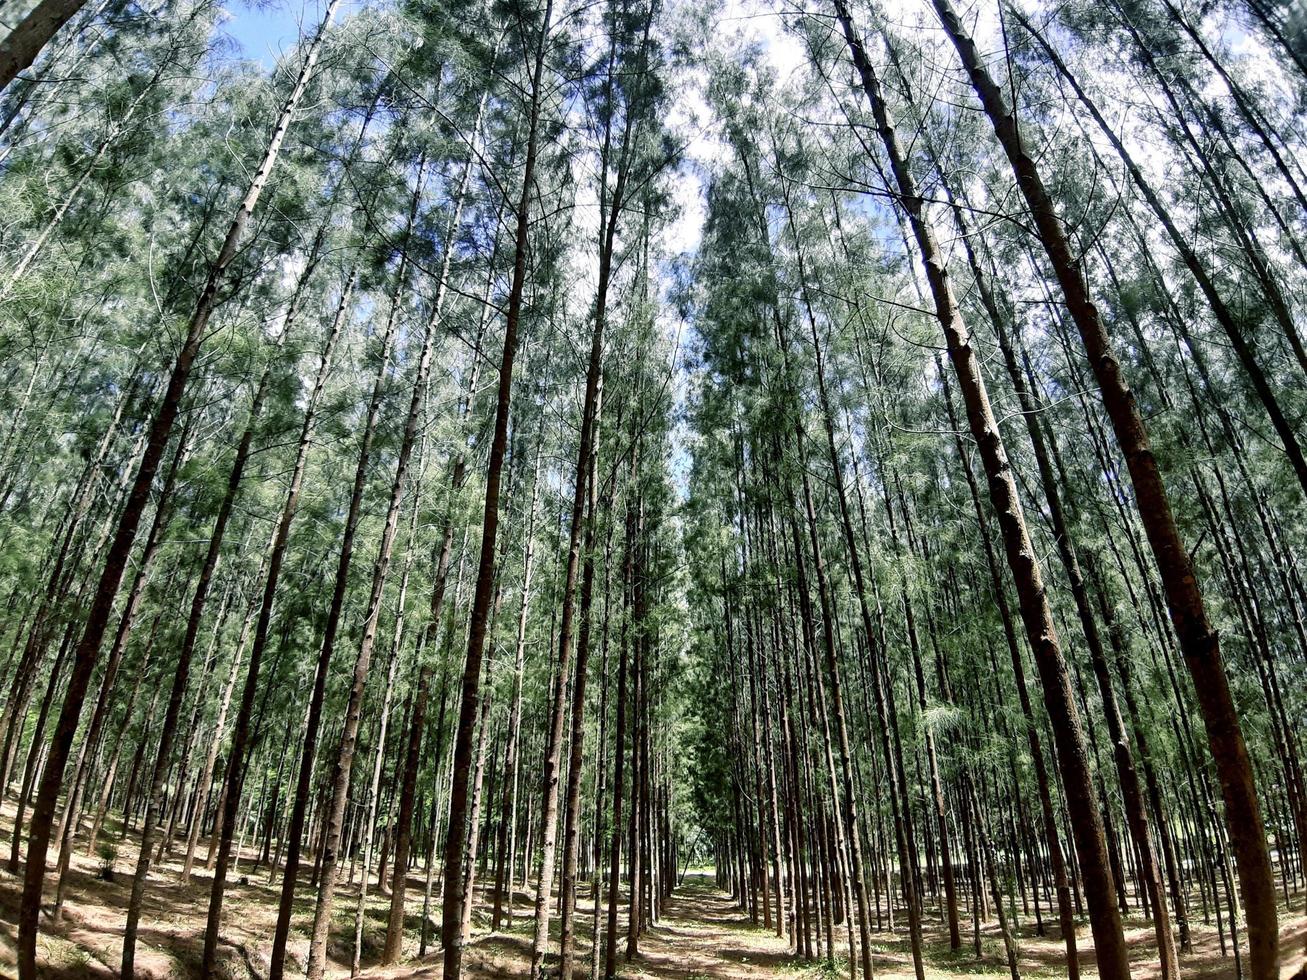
(1109, 939)
(1199, 641)
(241, 732)
(452, 912)
(303, 783)
(24, 43)
(160, 428)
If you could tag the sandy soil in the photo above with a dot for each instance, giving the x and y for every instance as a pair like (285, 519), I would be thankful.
(701, 935)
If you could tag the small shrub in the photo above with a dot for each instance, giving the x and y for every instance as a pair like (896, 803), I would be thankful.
(108, 853)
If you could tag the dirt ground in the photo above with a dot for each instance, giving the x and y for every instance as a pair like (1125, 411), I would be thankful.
(701, 935)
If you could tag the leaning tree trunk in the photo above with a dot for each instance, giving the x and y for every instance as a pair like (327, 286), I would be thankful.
(344, 762)
(79, 506)
(303, 783)
(1136, 814)
(24, 43)
(1036, 613)
(116, 129)
(160, 428)
(1199, 641)
(1224, 316)
(241, 730)
(190, 638)
(67, 826)
(215, 741)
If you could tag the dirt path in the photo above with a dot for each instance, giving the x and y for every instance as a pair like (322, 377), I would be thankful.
(703, 935)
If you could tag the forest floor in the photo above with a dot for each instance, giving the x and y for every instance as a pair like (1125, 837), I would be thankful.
(701, 935)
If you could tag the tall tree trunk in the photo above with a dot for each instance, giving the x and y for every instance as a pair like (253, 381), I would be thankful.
(1087, 826)
(370, 823)
(572, 813)
(1199, 641)
(303, 783)
(78, 507)
(56, 12)
(619, 752)
(1225, 318)
(189, 640)
(452, 913)
(585, 464)
(403, 830)
(1137, 817)
(380, 571)
(513, 749)
(242, 730)
(215, 742)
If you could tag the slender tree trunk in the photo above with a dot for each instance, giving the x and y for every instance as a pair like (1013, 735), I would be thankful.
(572, 814)
(585, 464)
(1220, 310)
(1109, 940)
(33, 650)
(303, 784)
(369, 826)
(193, 622)
(160, 428)
(215, 742)
(452, 912)
(242, 730)
(619, 752)
(513, 750)
(1199, 641)
(380, 571)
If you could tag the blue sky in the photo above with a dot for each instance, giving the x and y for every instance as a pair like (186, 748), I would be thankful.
(265, 30)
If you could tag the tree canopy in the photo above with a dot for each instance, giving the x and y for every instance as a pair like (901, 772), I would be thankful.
(498, 475)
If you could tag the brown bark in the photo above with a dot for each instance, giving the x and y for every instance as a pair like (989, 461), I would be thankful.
(1036, 613)
(24, 43)
(189, 640)
(1224, 316)
(512, 750)
(160, 428)
(1136, 814)
(619, 750)
(56, 582)
(303, 784)
(586, 462)
(1198, 639)
(242, 730)
(452, 912)
(848, 798)
(572, 813)
(353, 711)
(215, 741)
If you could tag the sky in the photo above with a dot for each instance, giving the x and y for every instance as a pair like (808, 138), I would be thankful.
(263, 30)
(266, 30)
